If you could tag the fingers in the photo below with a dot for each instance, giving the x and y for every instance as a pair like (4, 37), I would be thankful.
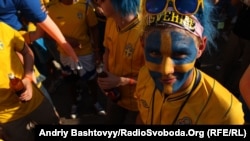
(68, 61)
(26, 96)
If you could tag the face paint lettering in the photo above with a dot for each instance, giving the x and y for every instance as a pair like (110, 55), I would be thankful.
(170, 57)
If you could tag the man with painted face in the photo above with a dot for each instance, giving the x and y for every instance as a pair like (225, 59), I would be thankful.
(170, 90)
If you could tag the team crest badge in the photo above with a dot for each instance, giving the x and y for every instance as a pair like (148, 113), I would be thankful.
(79, 15)
(144, 103)
(129, 50)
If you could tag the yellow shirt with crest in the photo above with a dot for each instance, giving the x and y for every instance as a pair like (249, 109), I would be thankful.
(125, 57)
(11, 108)
(74, 21)
(209, 103)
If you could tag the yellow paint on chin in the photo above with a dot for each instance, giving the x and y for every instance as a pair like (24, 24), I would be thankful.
(168, 89)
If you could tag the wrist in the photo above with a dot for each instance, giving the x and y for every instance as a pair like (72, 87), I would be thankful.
(30, 78)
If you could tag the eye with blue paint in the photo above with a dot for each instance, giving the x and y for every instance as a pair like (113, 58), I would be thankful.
(179, 55)
(152, 47)
(155, 54)
(184, 49)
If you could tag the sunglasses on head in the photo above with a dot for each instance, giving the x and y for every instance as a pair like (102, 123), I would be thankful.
(183, 7)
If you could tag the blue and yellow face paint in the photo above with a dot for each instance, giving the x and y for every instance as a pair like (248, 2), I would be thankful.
(170, 57)
(170, 42)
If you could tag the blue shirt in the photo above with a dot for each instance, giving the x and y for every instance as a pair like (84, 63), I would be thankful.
(30, 9)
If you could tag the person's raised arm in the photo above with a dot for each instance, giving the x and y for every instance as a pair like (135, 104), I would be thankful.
(52, 29)
(28, 60)
(28, 63)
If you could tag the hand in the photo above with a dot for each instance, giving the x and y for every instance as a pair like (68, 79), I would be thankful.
(99, 11)
(108, 82)
(76, 67)
(27, 95)
(68, 61)
(79, 69)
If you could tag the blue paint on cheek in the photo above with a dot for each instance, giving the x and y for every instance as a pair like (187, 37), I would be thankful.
(153, 44)
(181, 79)
(182, 44)
(156, 77)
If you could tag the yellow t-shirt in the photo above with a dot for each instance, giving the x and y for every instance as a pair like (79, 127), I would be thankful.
(125, 57)
(74, 21)
(11, 108)
(209, 103)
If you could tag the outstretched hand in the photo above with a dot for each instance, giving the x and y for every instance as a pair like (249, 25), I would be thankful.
(75, 67)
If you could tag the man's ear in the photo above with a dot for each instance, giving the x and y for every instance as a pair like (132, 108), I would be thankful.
(202, 46)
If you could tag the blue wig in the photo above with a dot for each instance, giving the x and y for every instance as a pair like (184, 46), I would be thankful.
(207, 19)
(126, 7)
